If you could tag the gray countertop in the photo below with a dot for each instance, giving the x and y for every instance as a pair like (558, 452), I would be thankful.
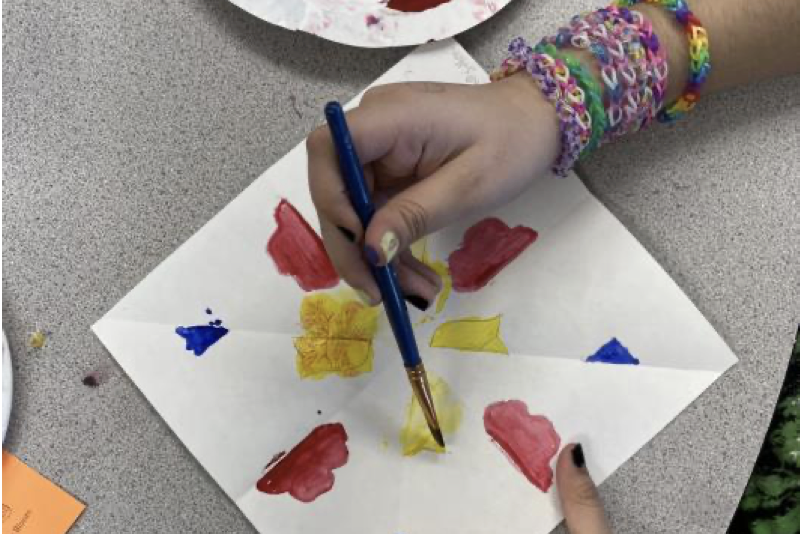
(127, 125)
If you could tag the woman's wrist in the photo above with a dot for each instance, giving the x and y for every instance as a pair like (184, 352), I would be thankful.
(523, 93)
(612, 71)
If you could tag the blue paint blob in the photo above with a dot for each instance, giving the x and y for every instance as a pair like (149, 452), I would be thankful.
(208, 311)
(613, 352)
(218, 322)
(199, 338)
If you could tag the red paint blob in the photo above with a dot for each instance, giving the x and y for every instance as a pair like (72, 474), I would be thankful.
(529, 441)
(306, 472)
(488, 246)
(298, 251)
(414, 5)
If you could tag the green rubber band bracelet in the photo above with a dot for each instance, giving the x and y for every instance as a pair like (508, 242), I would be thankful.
(594, 99)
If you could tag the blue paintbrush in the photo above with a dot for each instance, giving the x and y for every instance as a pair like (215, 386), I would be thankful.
(386, 278)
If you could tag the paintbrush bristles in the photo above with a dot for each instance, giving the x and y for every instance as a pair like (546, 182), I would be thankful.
(437, 435)
(422, 392)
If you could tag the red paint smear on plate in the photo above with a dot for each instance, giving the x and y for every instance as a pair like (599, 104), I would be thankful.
(488, 246)
(529, 441)
(414, 5)
(298, 251)
(306, 472)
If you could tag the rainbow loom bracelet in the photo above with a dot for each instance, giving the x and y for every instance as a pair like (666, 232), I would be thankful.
(594, 100)
(631, 62)
(559, 86)
(639, 61)
(699, 56)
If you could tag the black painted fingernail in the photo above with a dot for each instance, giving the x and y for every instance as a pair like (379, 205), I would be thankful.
(577, 456)
(347, 233)
(372, 255)
(418, 302)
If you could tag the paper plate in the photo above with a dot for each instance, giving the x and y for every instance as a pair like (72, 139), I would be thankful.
(7, 385)
(373, 23)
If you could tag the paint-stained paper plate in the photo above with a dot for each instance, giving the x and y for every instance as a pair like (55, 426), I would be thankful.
(375, 23)
(7, 385)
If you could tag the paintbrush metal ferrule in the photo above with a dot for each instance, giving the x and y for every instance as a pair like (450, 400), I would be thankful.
(418, 379)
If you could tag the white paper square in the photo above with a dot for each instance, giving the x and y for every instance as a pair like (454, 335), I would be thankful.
(583, 281)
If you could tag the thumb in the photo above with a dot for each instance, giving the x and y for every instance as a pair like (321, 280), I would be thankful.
(583, 510)
(429, 205)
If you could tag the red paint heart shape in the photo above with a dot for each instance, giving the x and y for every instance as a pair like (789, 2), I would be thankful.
(306, 472)
(298, 251)
(488, 247)
(529, 441)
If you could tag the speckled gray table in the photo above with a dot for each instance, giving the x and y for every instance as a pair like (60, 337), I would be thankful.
(127, 125)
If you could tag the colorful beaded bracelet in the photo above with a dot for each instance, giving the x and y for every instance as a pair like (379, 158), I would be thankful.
(647, 62)
(699, 56)
(560, 87)
(594, 100)
(632, 64)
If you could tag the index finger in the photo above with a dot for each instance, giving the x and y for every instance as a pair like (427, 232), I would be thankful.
(374, 131)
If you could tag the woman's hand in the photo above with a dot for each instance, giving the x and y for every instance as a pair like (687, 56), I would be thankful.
(583, 511)
(432, 153)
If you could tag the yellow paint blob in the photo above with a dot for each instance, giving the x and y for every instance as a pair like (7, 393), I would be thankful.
(472, 334)
(447, 283)
(338, 337)
(415, 435)
(37, 339)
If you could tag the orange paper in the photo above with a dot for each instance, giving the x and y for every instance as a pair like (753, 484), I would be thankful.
(32, 504)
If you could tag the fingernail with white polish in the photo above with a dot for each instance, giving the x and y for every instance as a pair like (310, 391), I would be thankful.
(389, 245)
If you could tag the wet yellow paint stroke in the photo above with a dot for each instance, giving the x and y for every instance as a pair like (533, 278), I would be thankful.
(415, 435)
(447, 283)
(338, 337)
(473, 334)
(420, 250)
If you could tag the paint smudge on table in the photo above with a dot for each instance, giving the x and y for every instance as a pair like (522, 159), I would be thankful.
(529, 441)
(338, 337)
(93, 379)
(488, 247)
(415, 436)
(37, 339)
(306, 472)
(471, 334)
(200, 337)
(414, 6)
(298, 251)
(420, 251)
(613, 352)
